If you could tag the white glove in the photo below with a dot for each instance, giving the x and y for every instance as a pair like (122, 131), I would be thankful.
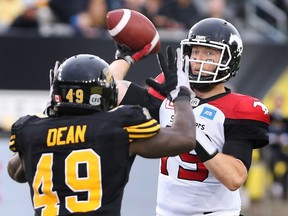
(182, 78)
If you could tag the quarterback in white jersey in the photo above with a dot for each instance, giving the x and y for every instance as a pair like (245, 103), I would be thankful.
(185, 186)
(205, 181)
(229, 126)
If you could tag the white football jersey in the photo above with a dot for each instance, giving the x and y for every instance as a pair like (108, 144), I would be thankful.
(185, 186)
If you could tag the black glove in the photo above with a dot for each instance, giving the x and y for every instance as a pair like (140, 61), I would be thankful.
(169, 71)
(176, 80)
(131, 56)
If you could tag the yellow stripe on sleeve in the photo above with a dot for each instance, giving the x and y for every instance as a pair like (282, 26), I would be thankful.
(144, 130)
(12, 143)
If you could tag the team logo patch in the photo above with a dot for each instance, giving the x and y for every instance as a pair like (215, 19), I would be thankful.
(263, 107)
(208, 113)
(95, 99)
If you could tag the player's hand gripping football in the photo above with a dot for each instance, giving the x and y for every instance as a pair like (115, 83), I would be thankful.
(131, 56)
(176, 82)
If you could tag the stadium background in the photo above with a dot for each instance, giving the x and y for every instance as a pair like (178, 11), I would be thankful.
(24, 84)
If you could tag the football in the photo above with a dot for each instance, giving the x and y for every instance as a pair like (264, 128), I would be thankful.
(132, 29)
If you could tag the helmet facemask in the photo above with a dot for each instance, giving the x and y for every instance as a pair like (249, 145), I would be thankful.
(221, 71)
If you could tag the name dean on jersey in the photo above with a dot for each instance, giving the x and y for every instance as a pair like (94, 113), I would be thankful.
(66, 135)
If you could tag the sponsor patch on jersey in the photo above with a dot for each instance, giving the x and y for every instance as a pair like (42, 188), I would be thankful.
(208, 113)
(95, 99)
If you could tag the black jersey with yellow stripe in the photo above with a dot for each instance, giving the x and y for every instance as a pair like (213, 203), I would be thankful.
(80, 164)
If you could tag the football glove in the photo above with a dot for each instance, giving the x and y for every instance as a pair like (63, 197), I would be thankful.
(131, 56)
(176, 82)
(204, 148)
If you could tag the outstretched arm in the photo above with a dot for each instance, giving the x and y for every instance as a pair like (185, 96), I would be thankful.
(179, 138)
(119, 69)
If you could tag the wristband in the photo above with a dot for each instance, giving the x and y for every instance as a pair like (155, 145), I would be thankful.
(129, 60)
(204, 147)
(203, 154)
(183, 94)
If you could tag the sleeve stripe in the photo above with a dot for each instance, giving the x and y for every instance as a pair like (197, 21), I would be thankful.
(13, 149)
(152, 129)
(12, 143)
(144, 130)
(144, 125)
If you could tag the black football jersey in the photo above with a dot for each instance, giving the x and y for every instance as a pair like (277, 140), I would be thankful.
(79, 165)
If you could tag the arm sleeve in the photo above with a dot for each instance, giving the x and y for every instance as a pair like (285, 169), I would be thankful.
(242, 136)
(137, 95)
(241, 149)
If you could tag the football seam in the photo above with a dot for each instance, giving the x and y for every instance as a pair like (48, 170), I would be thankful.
(122, 23)
(154, 41)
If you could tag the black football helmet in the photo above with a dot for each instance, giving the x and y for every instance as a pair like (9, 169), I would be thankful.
(83, 84)
(219, 34)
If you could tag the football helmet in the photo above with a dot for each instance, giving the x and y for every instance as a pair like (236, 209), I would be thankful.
(83, 84)
(217, 34)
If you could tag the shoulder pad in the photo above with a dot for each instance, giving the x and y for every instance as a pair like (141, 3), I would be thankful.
(238, 106)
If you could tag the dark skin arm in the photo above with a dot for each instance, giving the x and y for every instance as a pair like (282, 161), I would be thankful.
(16, 168)
(181, 137)
(170, 141)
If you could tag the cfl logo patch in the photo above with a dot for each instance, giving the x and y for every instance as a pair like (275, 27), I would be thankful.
(95, 99)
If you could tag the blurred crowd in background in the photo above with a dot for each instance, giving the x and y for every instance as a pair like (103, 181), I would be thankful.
(255, 19)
